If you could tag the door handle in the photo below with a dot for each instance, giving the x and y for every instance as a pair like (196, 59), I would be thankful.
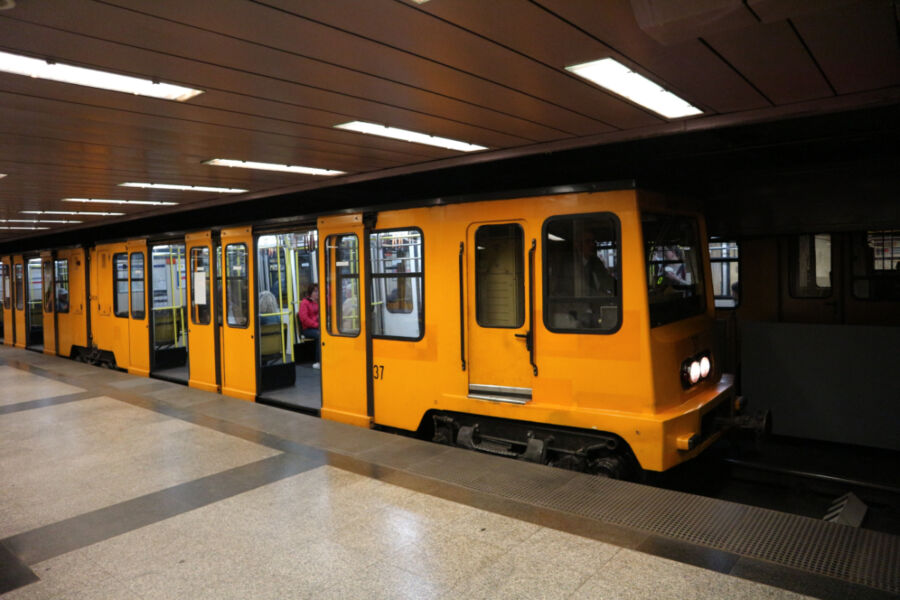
(528, 339)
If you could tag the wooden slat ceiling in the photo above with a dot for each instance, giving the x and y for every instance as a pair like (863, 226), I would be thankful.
(278, 75)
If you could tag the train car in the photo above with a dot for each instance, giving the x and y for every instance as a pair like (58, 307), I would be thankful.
(570, 329)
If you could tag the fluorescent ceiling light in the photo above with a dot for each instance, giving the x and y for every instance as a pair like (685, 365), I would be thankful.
(183, 188)
(36, 221)
(43, 69)
(28, 228)
(246, 164)
(71, 212)
(2, 175)
(409, 136)
(618, 78)
(104, 201)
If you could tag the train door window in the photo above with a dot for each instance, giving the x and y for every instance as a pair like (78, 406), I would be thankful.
(724, 258)
(672, 249)
(500, 276)
(342, 254)
(48, 286)
(200, 291)
(20, 286)
(120, 293)
(398, 306)
(237, 286)
(810, 273)
(35, 289)
(4, 282)
(581, 274)
(876, 265)
(276, 308)
(138, 305)
(61, 274)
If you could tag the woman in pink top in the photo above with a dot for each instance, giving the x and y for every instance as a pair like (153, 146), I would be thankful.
(309, 318)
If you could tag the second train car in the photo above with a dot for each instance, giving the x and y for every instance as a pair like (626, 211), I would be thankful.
(572, 329)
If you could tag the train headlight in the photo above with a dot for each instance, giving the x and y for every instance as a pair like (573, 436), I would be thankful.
(705, 366)
(694, 373)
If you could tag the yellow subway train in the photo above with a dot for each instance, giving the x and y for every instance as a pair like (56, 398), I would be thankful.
(573, 329)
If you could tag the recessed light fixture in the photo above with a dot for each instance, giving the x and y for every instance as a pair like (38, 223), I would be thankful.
(2, 175)
(71, 212)
(409, 136)
(618, 78)
(46, 69)
(37, 221)
(105, 201)
(246, 164)
(28, 228)
(183, 188)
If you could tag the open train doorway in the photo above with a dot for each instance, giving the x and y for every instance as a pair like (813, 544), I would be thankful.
(168, 325)
(288, 350)
(34, 314)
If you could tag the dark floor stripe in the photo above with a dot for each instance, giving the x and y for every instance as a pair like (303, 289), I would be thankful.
(13, 572)
(44, 402)
(77, 532)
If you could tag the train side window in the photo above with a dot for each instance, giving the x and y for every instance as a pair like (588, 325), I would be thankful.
(237, 286)
(876, 265)
(342, 258)
(137, 286)
(398, 304)
(724, 258)
(582, 293)
(47, 280)
(500, 276)
(20, 286)
(200, 293)
(4, 282)
(810, 272)
(61, 274)
(120, 294)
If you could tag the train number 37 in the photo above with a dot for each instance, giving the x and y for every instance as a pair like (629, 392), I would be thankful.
(378, 371)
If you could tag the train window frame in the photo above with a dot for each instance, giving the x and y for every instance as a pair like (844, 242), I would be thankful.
(137, 316)
(6, 283)
(61, 283)
(521, 262)
(48, 284)
(209, 294)
(122, 314)
(405, 275)
(616, 272)
(245, 279)
(720, 260)
(330, 267)
(886, 281)
(677, 307)
(793, 266)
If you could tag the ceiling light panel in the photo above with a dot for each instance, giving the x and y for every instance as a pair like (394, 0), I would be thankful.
(72, 212)
(409, 136)
(53, 71)
(618, 78)
(246, 164)
(182, 188)
(37, 221)
(109, 201)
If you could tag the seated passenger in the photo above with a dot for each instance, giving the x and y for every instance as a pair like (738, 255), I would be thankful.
(268, 308)
(309, 319)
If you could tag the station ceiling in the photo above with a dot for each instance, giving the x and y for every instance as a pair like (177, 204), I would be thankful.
(277, 76)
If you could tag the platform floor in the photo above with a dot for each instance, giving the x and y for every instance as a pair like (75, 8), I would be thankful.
(114, 486)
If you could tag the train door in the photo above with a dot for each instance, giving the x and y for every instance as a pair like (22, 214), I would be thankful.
(19, 306)
(288, 367)
(168, 313)
(49, 304)
(6, 297)
(500, 267)
(138, 322)
(34, 315)
(202, 340)
(346, 396)
(71, 316)
(238, 341)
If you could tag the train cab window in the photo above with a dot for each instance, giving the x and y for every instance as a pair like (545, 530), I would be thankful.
(672, 249)
(20, 286)
(342, 257)
(5, 285)
(398, 306)
(61, 275)
(876, 265)
(200, 293)
(237, 286)
(724, 258)
(48, 286)
(138, 309)
(810, 272)
(581, 274)
(500, 276)
(120, 295)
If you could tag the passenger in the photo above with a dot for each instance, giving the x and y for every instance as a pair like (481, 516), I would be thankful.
(309, 319)
(673, 269)
(268, 308)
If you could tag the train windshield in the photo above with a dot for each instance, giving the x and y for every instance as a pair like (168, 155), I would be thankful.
(674, 268)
